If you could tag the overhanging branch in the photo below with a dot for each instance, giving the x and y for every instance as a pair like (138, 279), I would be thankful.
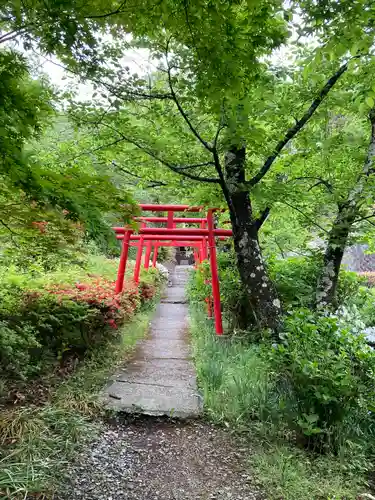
(319, 182)
(196, 165)
(152, 182)
(128, 95)
(364, 218)
(304, 215)
(99, 148)
(180, 108)
(178, 169)
(11, 35)
(108, 14)
(298, 126)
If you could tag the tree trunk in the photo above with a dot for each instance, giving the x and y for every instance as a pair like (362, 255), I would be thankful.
(326, 292)
(265, 305)
(338, 236)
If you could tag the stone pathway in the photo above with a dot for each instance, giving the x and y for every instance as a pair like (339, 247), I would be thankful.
(160, 379)
(137, 457)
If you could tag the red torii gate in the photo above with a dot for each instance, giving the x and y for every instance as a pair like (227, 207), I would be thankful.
(202, 239)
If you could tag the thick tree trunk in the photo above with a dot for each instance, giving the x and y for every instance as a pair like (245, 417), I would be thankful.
(263, 297)
(326, 292)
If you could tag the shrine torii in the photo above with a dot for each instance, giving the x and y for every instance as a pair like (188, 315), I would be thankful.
(201, 238)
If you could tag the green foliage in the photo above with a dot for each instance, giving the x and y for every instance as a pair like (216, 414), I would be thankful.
(241, 390)
(16, 343)
(61, 27)
(165, 254)
(234, 299)
(26, 107)
(329, 372)
(290, 473)
(296, 278)
(232, 375)
(44, 319)
(43, 200)
(365, 302)
(36, 441)
(47, 205)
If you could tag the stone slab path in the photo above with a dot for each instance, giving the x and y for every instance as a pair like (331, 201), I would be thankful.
(160, 379)
(140, 457)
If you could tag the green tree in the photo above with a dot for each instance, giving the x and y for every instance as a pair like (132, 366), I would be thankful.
(213, 66)
(161, 131)
(40, 195)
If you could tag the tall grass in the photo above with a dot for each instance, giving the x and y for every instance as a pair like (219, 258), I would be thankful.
(238, 389)
(37, 441)
(234, 379)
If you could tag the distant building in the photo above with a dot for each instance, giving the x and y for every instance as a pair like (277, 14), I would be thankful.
(356, 259)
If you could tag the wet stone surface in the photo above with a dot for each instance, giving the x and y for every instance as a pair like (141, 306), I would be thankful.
(138, 457)
(160, 379)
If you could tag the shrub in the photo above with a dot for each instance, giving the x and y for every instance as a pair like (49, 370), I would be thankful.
(242, 389)
(39, 327)
(153, 276)
(99, 294)
(326, 378)
(364, 301)
(296, 277)
(234, 301)
(16, 343)
(147, 291)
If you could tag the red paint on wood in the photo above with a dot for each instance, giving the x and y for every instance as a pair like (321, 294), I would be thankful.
(214, 275)
(122, 264)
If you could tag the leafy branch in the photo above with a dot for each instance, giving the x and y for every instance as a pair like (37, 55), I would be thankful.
(180, 108)
(319, 182)
(293, 131)
(305, 216)
(179, 169)
(152, 182)
(109, 14)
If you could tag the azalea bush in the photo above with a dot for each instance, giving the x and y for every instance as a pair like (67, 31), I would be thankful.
(100, 294)
(46, 325)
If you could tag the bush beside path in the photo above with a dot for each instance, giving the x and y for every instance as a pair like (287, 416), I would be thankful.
(61, 335)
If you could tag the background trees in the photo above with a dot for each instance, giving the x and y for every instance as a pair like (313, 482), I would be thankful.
(219, 109)
(213, 99)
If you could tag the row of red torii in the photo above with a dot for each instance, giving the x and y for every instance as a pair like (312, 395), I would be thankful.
(201, 239)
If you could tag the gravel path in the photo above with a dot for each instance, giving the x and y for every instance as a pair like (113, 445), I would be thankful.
(159, 459)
